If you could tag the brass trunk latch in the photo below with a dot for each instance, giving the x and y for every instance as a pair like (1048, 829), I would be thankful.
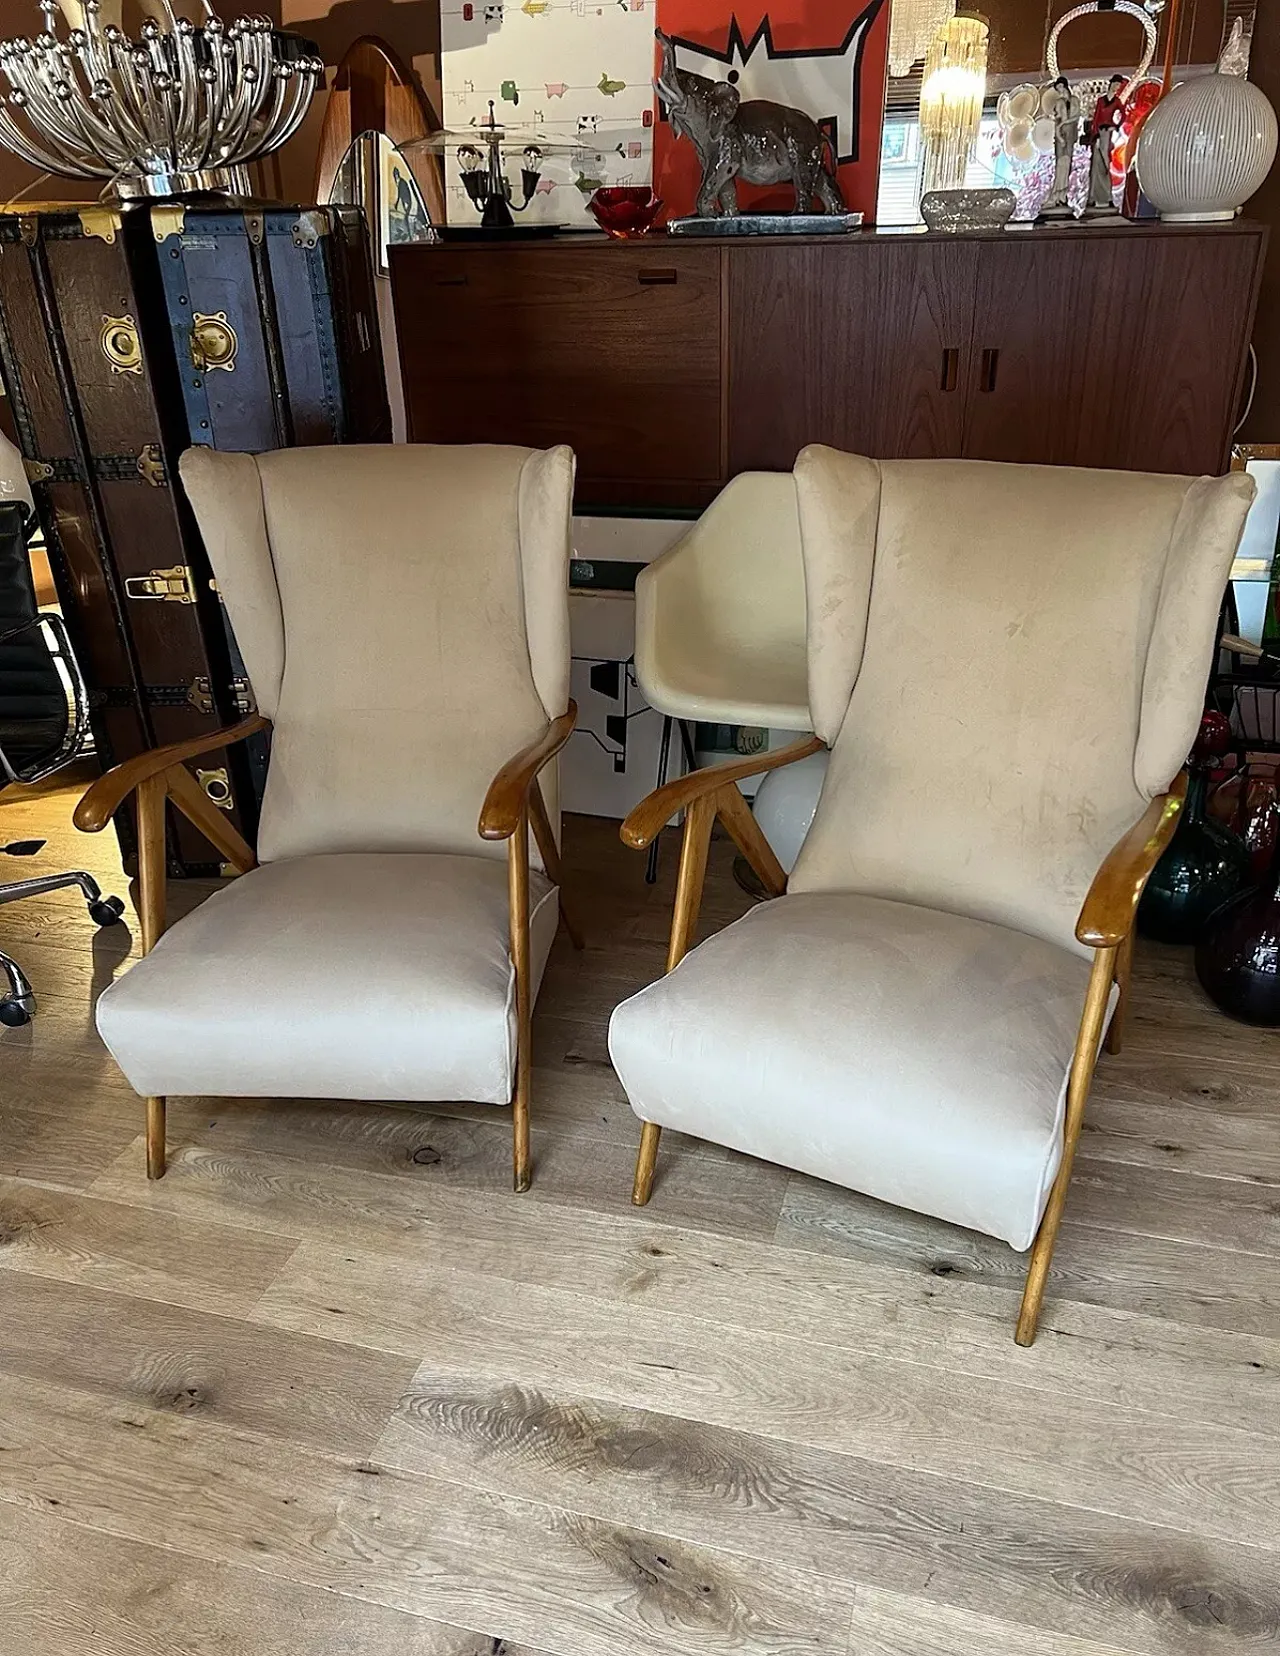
(151, 465)
(121, 345)
(213, 343)
(217, 786)
(169, 586)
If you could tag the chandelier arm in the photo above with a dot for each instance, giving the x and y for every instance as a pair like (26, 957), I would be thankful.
(98, 71)
(123, 77)
(234, 119)
(40, 98)
(96, 135)
(218, 95)
(283, 122)
(36, 157)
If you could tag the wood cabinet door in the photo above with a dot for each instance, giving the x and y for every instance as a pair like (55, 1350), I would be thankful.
(1120, 348)
(861, 344)
(612, 349)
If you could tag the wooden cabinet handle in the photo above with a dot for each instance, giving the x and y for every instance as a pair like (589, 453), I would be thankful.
(451, 281)
(652, 277)
(950, 369)
(987, 376)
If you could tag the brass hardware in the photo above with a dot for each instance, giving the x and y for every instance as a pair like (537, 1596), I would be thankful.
(217, 785)
(151, 465)
(214, 343)
(308, 229)
(243, 697)
(168, 221)
(200, 695)
(29, 229)
(121, 345)
(170, 586)
(100, 222)
(256, 227)
(38, 471)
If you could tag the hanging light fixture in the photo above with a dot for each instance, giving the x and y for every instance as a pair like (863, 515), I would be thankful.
(951, 94)
(912, 25)
(180, 109)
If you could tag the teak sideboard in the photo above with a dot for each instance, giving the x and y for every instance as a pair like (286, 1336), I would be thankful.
(671, 365)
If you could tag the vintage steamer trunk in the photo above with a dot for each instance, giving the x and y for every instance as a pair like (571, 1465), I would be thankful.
(124, 339)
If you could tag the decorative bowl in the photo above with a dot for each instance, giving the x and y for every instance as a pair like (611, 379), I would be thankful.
(625, 210)
(959, 210)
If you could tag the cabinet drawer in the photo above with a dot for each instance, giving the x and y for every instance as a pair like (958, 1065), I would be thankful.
(614, 350)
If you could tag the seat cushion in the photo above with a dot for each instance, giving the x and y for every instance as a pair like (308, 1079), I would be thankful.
(916, 1056)
(380, 976)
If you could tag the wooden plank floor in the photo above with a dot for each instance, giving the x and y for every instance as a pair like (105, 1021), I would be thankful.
(331, 1389)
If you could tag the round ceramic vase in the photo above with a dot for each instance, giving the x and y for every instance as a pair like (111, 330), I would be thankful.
(1205, 148)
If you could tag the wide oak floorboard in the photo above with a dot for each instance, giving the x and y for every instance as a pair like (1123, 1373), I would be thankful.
(330, 1386)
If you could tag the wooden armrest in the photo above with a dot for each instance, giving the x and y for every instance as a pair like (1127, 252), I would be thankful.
(651, 815)
(1106, 918)
(509, 791)
(109, 792)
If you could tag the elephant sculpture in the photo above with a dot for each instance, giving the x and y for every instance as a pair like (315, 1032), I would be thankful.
(759, 141)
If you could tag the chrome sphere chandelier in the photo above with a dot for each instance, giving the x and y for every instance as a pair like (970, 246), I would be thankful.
(176, 111)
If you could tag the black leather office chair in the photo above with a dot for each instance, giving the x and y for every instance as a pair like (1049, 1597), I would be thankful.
(44, 721)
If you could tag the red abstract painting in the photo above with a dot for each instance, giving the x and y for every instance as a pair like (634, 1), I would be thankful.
(823, 56)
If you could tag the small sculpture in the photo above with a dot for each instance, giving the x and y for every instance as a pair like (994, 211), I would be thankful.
(1063, 109)
(1101, 133)
(758, 141)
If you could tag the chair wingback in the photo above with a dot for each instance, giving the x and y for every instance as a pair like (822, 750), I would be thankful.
(1008, 662)
(403, 616)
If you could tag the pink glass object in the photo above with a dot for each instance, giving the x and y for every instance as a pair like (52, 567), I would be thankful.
(624, 211)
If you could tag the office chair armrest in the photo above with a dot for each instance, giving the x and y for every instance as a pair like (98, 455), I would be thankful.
(109, 792)
(509, 791)
(647, 819)
(1106, 918)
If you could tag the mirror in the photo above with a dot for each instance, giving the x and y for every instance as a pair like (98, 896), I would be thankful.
(1091, 42)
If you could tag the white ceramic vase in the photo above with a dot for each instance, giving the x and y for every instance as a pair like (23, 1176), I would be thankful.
(1205, 148)
(786, 802)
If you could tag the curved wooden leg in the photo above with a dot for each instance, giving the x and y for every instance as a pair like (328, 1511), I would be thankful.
(155, 1138)
(646, 1161)
(1124, 966)
(518, 883)
(1082, 1062)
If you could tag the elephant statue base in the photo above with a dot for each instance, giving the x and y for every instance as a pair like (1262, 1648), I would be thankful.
(757, 141)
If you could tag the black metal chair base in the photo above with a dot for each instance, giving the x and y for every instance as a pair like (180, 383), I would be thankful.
(664, 761)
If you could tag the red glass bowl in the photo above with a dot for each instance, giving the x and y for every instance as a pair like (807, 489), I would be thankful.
(625, 210)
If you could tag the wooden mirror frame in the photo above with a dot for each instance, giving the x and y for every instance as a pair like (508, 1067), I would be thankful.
(374, 90)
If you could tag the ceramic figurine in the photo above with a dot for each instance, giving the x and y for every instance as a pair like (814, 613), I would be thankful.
(1063, 110)
(757, 141)
(1104, 125)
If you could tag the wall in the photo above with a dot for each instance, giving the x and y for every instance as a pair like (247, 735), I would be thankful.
(1263, 423)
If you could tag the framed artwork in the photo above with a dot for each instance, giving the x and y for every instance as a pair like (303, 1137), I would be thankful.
(826, 57)
(572, 76)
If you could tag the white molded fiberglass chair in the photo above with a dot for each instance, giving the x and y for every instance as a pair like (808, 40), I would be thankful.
(720, 619)
(403, 614)
(1008, 664)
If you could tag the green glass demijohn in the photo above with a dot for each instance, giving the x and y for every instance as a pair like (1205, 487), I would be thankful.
(1204, 866)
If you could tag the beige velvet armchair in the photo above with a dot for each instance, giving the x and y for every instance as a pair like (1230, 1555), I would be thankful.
(403, 615)
(1008, 665)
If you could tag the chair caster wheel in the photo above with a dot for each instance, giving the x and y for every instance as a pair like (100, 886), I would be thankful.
(14, 1011)
(106, 911)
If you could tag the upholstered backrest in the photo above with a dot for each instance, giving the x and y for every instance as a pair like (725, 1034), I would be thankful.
(403, 616)
(1008, 662)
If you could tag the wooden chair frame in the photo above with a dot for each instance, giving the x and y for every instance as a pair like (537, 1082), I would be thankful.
(513, 801)
(1106, 925)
